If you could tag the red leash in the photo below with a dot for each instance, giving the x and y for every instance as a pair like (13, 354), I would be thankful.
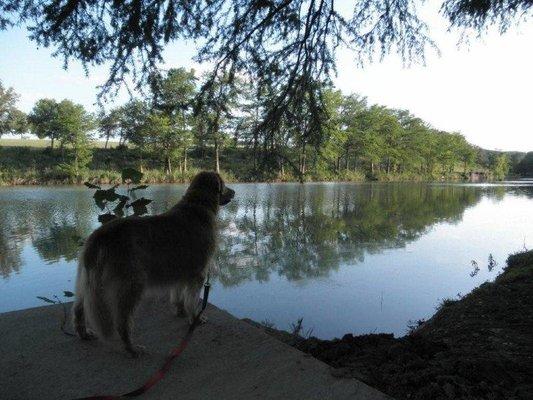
(160, 373)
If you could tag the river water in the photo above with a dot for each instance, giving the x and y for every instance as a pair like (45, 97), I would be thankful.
(344, 257)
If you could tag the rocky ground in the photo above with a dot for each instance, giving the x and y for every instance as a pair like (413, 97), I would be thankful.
(476, 347)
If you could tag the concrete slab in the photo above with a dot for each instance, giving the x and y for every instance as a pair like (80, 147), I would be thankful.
(226, 359)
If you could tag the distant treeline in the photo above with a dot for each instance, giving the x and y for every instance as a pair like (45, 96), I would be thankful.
(524, 166)
(173, 131)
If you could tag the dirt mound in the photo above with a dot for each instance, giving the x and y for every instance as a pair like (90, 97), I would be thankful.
(477, 347)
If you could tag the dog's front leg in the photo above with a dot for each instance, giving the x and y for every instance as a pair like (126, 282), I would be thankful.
(176, 300)
(192, 300)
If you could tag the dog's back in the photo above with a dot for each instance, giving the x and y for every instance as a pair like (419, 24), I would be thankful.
(156, 249)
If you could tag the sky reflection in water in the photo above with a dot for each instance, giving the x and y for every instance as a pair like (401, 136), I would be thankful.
(346, 257)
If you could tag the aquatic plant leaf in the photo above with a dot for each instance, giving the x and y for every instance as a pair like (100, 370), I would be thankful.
(68, 293)
(105, 218)
(139, 206)
(119, 209)
(102, 196)
(132, 175)
(91, 186)
(99, 198)
(111, 195)
(46, 299)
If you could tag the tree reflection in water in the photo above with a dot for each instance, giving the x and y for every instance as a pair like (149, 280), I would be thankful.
(306, 231)
(295, 231)
(51, 220)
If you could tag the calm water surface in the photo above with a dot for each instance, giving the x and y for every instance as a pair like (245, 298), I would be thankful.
(344, 257)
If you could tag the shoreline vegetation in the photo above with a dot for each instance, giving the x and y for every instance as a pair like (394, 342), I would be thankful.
(477, 346)
(31, 162)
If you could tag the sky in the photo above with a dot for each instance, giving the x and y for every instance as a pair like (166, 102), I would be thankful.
(483, 90)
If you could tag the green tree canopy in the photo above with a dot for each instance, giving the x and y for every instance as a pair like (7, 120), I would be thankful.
(161, 138)
(12, 120)
(172, 98)
(74, 124)
(132, 116)
(499, 164)
(43, 120)
(69, 123)
(214, 111)
(355, 140)
(525, 166)
(109, 124)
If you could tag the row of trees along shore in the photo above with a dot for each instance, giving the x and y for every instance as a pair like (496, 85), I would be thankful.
(172, 128)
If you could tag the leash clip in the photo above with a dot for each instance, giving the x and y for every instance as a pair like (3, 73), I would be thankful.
(207, 286)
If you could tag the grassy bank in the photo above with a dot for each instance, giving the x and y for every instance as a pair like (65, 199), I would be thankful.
(29, 165)
(476, 347)
(39, 165)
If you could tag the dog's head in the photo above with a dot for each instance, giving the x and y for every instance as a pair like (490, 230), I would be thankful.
(213, 184)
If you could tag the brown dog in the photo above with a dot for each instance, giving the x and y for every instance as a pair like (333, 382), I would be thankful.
(170, 251)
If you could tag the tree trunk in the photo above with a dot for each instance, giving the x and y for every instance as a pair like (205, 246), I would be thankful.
(346, 161)
(256, 139)
(76, 165)
(168, 166)
(52, 144)
(217, 160)
(303, 160)
(254, 153)
(184, 160)
(106, 141)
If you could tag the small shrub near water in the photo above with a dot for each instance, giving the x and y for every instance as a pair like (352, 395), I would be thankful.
(343, 176)
(297, 330)
(446, 303)
(158, 176)
(412, 326)
(268, 324)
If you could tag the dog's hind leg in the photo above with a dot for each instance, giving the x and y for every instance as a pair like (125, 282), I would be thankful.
(127, 301)
(80, 321)
(79, 318)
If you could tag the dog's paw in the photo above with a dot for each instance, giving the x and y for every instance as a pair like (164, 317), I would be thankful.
(179, 312)
(136, 351)
(201, 320)
(88, 336)
(85, 334)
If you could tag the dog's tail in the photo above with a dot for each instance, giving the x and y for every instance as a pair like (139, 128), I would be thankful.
(92, 291)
